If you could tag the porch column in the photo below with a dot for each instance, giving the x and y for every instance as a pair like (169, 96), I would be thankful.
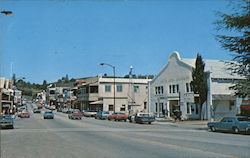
(168, 109)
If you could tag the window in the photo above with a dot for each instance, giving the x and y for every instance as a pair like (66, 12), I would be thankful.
(170, 89)
(177, 88)
(123, 108)
(111, 107)
(231, 104)
(52, 92)
(119, 88)
(107, 88)
(136, 89)
(187, 87)
(188, 108)
(145, 105)
(93, 89)
(156, 107)
(159, 90)
(173, 88)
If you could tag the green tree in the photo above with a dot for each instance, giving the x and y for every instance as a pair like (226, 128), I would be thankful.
(237, 41)
(199, 82)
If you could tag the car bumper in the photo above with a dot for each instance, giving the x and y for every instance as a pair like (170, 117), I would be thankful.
(6, 124)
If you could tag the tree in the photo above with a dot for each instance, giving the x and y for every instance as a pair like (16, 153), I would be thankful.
(199, 82)
(238, 43)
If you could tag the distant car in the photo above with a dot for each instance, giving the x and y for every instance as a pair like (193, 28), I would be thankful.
(36, 110)
(6, 121)
(76, 114)
(118, 116)
(89, 113)
(142, 118)
(48, 115)
(59, 110)
(231, 124)
(52, 107)
(25, 114)
(103, 115)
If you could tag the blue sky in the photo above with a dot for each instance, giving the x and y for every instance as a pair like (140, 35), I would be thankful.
(51, 38)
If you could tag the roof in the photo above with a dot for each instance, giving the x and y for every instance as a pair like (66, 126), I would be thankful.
(218, 68)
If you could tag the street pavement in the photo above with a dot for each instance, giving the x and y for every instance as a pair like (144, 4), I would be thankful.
(89, 138)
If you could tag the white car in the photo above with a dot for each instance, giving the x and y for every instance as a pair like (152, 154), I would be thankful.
(52, 107)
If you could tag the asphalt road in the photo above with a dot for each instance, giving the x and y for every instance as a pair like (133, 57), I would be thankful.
(89, 138)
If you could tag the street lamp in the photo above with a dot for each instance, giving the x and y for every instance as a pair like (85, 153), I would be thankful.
(113, 67)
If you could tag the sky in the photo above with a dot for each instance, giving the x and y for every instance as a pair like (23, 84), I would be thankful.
(47, 39)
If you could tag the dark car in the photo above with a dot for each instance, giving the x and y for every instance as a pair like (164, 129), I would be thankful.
(144, 118)
(48, 115)
(36, 110)
(231, 124)
(103, 115)
(6, 121)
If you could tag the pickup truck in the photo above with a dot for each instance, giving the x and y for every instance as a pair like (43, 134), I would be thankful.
(143, 118)
(75, 115)
(235, 124)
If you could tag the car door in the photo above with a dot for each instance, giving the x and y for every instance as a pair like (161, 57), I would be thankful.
(229, 124)
(221, 125)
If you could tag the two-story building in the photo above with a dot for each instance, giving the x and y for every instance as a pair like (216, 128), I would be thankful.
(119, 95)
(171, 90)
(6, 95)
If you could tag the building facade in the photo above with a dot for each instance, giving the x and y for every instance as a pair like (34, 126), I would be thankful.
(97, 93)
(6, 95)
(171, 90)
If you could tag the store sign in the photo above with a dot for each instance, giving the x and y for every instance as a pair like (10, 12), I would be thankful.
(188, 97)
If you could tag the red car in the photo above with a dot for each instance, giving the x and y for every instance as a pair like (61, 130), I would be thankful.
(75, 115)
(117, 116)
(25, 114)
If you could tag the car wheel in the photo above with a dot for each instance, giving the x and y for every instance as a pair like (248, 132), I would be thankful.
(212, 128)
(235, 130)
(149, 122)
(125, 120)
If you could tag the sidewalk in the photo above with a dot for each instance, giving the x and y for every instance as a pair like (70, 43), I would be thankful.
(195, 124)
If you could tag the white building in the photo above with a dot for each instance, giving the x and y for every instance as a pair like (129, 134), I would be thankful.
(170, 90)
(98, 93)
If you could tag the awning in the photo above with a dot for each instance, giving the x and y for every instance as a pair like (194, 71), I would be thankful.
(96, 102)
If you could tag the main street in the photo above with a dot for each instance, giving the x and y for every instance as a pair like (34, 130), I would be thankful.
(90, 138)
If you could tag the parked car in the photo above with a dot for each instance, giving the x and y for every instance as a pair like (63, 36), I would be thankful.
(143, 118)
(89, 113)
(6, 121)
(59, 110)
(76, 114)
(36, 110)
(103, 115)
(231, 124)
(48, 115)
(52, 107)
(25, 114)
(117, 116)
